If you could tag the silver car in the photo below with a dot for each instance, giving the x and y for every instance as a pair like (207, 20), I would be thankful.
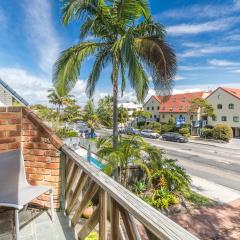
(149, 133)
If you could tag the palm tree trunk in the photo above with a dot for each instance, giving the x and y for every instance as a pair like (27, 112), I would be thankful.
(115, 101)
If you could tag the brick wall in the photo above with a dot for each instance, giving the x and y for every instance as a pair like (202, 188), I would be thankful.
(19, 127)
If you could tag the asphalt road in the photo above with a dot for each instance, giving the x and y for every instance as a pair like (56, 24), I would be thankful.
(220, 165)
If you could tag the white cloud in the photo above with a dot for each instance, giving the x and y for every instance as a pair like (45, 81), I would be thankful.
(206, 50)
(234, 37)
(41, 32)
(179, 77)
(197, 28)
(31, 88)
(203, 11)
(195, 68)
(223, 63)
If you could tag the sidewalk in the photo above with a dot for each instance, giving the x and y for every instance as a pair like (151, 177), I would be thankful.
(234, 144)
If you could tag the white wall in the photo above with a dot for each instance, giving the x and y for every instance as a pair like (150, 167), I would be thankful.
(5, 98)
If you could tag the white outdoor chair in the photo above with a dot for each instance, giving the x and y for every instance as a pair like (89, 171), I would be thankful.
(15, 191)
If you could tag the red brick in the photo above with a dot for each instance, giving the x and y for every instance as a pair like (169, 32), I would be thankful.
(9, 115)
(36, 176)
(55, 172)
(2, 133)
(14, 145)
(8, 140)
(3, 121)
(42, 159)
(14, 121)
(3, 146)
(53, 165)
(13, 133)
(50, 178)
(8, 127)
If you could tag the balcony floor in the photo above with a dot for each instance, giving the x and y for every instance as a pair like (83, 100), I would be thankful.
(35, 224)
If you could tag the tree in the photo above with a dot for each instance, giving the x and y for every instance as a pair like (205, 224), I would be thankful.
(58, 100)
(122, 115)
(127, 37)
(72, 112)
(90, 116)
(105, 111)
(142, 114)
(203, 104)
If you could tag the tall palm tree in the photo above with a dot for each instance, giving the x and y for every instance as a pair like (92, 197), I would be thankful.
(126, 37)
(58, 100)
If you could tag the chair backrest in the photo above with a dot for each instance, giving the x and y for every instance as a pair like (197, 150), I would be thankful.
(12, 172)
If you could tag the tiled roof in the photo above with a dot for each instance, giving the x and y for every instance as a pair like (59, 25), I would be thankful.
(179, 103)
(234, 91)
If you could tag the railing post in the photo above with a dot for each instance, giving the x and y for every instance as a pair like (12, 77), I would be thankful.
(102, 215)
(63, 180)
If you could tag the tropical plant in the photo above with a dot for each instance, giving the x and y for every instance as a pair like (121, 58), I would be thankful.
(140, 187)
(66, 133)
(223, 132)
(122, 115)
(155, 126)
(203, 104)
(58, 100)
(90, 116)
(127, 37)
(72, 112)
(105, 111)
(142, 114)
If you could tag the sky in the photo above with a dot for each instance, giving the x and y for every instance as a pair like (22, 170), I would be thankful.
(205, 35)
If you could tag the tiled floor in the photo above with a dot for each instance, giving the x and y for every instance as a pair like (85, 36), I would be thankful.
(36, 225)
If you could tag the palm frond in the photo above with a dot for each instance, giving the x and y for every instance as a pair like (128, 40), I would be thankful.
(103, 57)
(160, 60)
(67, 67)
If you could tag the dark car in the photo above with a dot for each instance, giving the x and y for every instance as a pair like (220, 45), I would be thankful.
(132, 131)
(174, 137)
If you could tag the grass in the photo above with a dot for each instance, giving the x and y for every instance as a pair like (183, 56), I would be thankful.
(198, 200)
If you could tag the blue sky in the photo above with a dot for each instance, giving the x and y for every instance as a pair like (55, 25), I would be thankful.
(204, 34)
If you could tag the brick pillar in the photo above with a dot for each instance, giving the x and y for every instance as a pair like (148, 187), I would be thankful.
(19, 127)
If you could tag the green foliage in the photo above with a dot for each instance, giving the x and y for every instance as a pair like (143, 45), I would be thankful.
(143, 114)
(92, 236)
(203, 104)
(66, 133)
(140, 187)
(207, 132)
(126, 37)
(122, 115)
(185, 132)
(105, 111)
(162, 198)
(197, 199)
(223, 132)
(167, 128)
(155, 126)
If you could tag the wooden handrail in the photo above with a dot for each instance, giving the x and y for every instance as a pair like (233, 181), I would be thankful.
(129, 204)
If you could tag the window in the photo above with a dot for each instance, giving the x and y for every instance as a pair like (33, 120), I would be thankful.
(150, 116)
(231, 106)
(155, 116)
(158, 108)
(152, 108)
(214, 118)
(219, 96)
(191, 117)
(163, 108)
(180, 108)
(147, 108)
(183, 99)
(224, 118)
(236, 118)
(171, 115)
(163, 116)
(219, 106)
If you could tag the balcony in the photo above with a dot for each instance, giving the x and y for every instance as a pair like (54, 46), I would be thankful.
(117, 213)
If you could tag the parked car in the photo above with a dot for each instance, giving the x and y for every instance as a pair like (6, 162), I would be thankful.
(174, 137)
(149, 133)
(132, 131)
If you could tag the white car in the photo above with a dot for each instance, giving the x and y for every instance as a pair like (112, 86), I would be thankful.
(149, 133)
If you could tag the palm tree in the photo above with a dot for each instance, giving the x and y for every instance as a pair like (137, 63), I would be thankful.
(125, 36)
(59, 100)
(122, 115)
(90, 116)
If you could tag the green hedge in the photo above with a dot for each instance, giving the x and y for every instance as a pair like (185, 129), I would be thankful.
(223, 132)
(185, 132)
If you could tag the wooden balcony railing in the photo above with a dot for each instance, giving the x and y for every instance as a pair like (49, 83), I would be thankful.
(118, 209)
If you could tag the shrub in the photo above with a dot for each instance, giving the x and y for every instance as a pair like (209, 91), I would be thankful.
(223, 132)
(66, 133)
(207, 132)
(185, 132)
(155, 126)
(167, 128)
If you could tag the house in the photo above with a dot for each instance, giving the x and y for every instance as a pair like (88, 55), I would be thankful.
(8, 97)
(226, 103)
(176, 106)
(131, 108)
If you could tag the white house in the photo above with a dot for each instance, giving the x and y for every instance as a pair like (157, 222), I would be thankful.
(131, 108)
(8, 96)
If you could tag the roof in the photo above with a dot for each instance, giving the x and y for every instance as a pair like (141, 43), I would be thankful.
(233, 91)
(179, 103)
(13, 93)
